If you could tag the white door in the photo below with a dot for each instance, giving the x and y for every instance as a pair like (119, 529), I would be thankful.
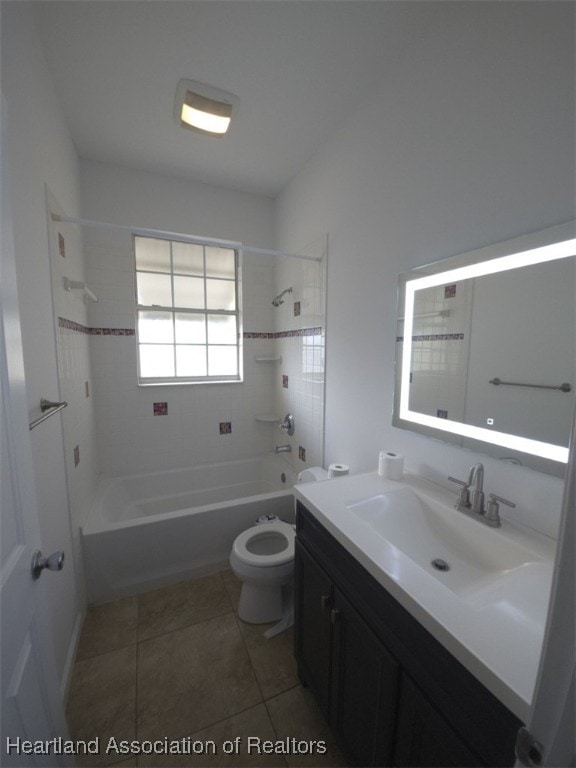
(30, 705)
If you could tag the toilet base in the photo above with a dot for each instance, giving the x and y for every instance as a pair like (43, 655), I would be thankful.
(260, 603)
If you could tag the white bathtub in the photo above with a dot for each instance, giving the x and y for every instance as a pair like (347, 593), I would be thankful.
(146, 531)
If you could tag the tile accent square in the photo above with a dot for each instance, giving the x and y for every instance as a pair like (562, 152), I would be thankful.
(160, 409)
(449, 291)
(296, 308)
(285, 381)
(61, 245)
(301, 453)
(225, 427)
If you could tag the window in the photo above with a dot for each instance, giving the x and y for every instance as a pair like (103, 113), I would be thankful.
(188, 318)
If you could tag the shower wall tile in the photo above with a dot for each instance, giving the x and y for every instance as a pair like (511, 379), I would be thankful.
(129, 437)
(75, 375)
(301, 343)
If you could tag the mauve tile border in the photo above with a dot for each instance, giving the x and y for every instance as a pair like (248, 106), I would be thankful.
(318, 331)
(435, 337)
(70, 325)
(78, 328)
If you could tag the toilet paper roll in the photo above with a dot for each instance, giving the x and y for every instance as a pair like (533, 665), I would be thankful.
(338, 470)
(391, 465)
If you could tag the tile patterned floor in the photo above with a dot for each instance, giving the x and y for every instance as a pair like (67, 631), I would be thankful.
(177, 664)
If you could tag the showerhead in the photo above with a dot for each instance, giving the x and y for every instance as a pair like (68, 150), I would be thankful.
(277, 300)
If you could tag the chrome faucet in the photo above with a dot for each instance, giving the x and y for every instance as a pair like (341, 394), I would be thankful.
(471, 498)
(283, 449)
(476, 482)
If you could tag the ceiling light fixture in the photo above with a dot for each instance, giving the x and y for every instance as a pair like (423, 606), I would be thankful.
(203, 108)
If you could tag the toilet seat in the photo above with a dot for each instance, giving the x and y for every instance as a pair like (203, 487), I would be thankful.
(249, 539)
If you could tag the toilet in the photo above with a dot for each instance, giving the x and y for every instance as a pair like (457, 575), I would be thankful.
(262, 558)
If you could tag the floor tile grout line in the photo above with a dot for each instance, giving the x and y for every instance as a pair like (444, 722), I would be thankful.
(137, 671)
(184, 626)
(245, 644)
(232, 611)
(229, 589)
(229, 717)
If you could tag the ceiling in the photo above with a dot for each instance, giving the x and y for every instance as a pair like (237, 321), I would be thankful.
(299, 67)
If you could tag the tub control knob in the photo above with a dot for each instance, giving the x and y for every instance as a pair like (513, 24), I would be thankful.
(55, 562)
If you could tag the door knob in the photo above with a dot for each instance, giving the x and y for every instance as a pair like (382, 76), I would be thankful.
(55, 562)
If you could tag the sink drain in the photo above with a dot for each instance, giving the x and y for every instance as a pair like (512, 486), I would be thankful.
(440, 565)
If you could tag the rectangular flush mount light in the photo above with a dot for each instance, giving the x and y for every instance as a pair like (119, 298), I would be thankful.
(203, 108)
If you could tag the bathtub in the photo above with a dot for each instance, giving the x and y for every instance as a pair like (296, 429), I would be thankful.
(147, 531)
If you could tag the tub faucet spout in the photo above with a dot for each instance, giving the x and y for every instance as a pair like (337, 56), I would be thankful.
(283, 449)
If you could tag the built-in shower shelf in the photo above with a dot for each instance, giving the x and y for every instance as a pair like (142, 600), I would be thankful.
(269, 417)
(268, 358)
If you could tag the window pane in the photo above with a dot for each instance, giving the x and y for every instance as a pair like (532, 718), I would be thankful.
(187, 316)
(222, 361)
(188, 258)
(220, 294)
(156, 360)
(155, 327)
(221, 262)
(154, 289)
(190, 329)
(222, 329)
(152, 254)
(191, 361)
(189, 292)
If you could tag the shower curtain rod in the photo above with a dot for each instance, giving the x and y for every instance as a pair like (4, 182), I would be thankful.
(180, 236)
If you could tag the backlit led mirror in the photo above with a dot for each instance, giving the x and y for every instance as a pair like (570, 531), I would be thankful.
(486, 349)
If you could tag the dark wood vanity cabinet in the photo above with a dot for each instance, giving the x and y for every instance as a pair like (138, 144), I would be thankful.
(390, 691)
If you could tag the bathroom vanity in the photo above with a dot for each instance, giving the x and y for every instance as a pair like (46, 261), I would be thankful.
(411, 670)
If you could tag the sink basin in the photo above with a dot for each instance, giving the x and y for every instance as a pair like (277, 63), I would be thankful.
(466, 556)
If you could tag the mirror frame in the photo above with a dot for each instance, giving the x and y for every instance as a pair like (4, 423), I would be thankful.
(548, 245)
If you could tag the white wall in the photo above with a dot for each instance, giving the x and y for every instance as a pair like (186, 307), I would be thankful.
(41, 155)
(473, 144)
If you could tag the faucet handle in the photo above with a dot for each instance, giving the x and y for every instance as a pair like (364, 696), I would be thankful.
(501, 500)
(288, 424)
(464, 499)
(492, 513)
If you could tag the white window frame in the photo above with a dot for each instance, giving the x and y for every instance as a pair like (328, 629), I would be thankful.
(205, 312)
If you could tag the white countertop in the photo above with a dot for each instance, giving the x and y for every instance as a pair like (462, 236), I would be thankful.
(497, 636)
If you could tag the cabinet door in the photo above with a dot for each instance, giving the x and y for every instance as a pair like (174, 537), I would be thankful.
(364, 688)
(313, 603)
(423, 737)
